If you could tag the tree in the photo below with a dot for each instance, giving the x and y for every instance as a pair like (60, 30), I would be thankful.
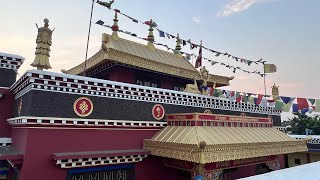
(299, 123)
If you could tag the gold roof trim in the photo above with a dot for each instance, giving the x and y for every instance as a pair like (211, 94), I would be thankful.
(136, 54)
(201, 144)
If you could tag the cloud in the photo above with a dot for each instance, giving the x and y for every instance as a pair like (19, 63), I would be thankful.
(237, 6)
(196, 20)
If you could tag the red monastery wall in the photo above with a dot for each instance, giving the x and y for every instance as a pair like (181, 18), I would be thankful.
(6, 107)
(42, 143)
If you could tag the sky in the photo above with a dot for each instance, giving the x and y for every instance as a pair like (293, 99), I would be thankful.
(282, 32)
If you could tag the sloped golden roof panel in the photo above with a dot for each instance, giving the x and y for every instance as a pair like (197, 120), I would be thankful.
(139, 55)
(221, 143)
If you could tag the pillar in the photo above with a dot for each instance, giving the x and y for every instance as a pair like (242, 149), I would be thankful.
(200, 173)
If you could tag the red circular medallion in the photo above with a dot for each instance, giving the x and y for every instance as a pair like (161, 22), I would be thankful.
(158, 112)
(83, 107)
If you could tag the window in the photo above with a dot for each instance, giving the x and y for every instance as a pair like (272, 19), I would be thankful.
(178, 88)
(148, 82)
(297, 161)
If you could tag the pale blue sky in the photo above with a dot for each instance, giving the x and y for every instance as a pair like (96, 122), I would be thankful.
(283, 32)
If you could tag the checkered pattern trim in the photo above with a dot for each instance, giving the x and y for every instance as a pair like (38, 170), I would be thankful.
(10, 62)
(87, 162)
(85, 122)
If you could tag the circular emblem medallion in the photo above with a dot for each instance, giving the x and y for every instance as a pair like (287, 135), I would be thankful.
(158, 112)
(83, 107)
(207, 111)
(243, 114)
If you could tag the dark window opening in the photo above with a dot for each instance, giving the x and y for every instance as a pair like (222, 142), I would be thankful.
(148, 82)
(178, 88)
(297, 161)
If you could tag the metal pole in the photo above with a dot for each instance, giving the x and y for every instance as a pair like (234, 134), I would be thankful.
(264, 82)
(85, 61)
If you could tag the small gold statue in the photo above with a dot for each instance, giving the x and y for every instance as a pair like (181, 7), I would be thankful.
(44, 41)
(204, 75)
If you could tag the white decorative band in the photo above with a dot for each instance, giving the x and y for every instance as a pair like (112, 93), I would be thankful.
(87, 162)
(71, 84)
(84, 122)
(5, 142)
(10, 62)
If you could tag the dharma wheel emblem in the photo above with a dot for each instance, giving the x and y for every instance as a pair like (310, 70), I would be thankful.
(83, 107)
(158, 112)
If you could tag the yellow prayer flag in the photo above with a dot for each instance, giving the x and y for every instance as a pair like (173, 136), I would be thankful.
(270, 68)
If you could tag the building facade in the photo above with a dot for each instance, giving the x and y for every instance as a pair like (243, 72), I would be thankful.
(131, 118)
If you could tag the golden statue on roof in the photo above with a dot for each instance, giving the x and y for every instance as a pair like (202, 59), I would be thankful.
(44, 41)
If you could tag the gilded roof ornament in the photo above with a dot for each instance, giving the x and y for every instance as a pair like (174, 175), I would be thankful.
(150, 37)
(115, 26)
(178, 45)
(44, 41)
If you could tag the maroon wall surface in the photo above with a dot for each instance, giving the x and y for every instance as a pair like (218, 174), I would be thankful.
(38, 145)
(6, 108)
(241, 172)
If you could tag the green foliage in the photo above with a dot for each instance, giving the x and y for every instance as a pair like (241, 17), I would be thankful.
(299, 123)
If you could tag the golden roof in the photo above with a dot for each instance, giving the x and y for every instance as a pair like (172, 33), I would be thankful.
(204, 144)
(139, 55)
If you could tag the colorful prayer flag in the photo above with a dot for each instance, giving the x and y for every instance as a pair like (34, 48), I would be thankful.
(286, 107)
(199, 59)
(270, 68)
(278, 106)
(302, 103)
(251, 100)
(286, 99)
(100, 22)
(161, 33)
(317, 109)
(312, 101)
(295, 108)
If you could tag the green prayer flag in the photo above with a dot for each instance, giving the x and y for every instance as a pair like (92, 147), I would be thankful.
(245, 99)
(278, 106)
(217, 92)
(251, 100)
(237, 94)
(286, 107)
(312, 101)
(317, 105)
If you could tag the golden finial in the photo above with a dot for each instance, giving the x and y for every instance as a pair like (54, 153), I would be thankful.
(150, 37)
(115, 27)
(275, 92)
(178, 45)
(44, 41)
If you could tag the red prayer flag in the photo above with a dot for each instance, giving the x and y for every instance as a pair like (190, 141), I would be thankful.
(302, 103)
(259, 99)
(239, 99)
(199, 59)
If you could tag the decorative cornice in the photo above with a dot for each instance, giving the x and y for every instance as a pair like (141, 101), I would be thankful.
(222, 152)
(87, 162)
(53, 121)
(10, 61)
(71, 84)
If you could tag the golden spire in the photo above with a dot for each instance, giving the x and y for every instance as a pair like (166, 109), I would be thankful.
(150, 37)
(115, 27)
(178, 45)
(44, 41)
(275, 92)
